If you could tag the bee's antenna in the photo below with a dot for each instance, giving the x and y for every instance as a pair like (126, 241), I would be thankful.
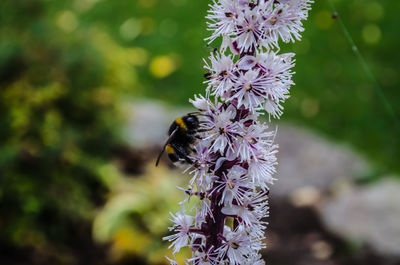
(162, 151)
(159, 156)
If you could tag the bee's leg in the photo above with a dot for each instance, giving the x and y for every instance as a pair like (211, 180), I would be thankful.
(195, 137)
(189, 148)
(193, 132)
(174, 157)
(185, 156)
(182, 153)
(188, 160)
(204, 130)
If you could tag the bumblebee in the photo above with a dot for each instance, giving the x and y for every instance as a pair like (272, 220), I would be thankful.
(182, 134)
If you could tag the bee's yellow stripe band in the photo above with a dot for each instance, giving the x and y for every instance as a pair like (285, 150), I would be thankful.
(169, 149)
(181, 123)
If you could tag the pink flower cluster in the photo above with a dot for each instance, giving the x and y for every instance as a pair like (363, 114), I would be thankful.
(235, 160)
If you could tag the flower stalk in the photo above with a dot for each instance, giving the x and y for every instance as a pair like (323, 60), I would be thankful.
(235, 159)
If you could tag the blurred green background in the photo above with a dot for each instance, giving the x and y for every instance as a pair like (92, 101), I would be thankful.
(73, 192)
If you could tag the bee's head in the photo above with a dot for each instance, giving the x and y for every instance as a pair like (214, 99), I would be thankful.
(191, 121)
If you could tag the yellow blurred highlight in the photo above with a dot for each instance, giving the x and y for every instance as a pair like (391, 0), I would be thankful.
(158, 256)
(128, 240)
(162, 66)
(67, 21)
(374, 11)
(323, 19)
(371, 34)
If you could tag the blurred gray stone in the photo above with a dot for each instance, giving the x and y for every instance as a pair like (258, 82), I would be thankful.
(148, 123)
(370, 214)
(308, 160)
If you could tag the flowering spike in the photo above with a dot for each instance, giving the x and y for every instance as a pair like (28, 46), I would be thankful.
(235, 158)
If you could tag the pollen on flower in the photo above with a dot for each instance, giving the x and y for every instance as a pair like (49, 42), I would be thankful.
(234, 158)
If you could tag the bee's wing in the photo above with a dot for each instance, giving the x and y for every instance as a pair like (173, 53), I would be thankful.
(163, 149)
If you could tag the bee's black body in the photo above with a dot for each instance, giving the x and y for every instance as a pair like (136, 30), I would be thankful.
(182, 135)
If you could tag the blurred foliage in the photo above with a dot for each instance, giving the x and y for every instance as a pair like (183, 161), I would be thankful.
(335, 95)
(66, 66)
(137, 213)
(60, 82)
